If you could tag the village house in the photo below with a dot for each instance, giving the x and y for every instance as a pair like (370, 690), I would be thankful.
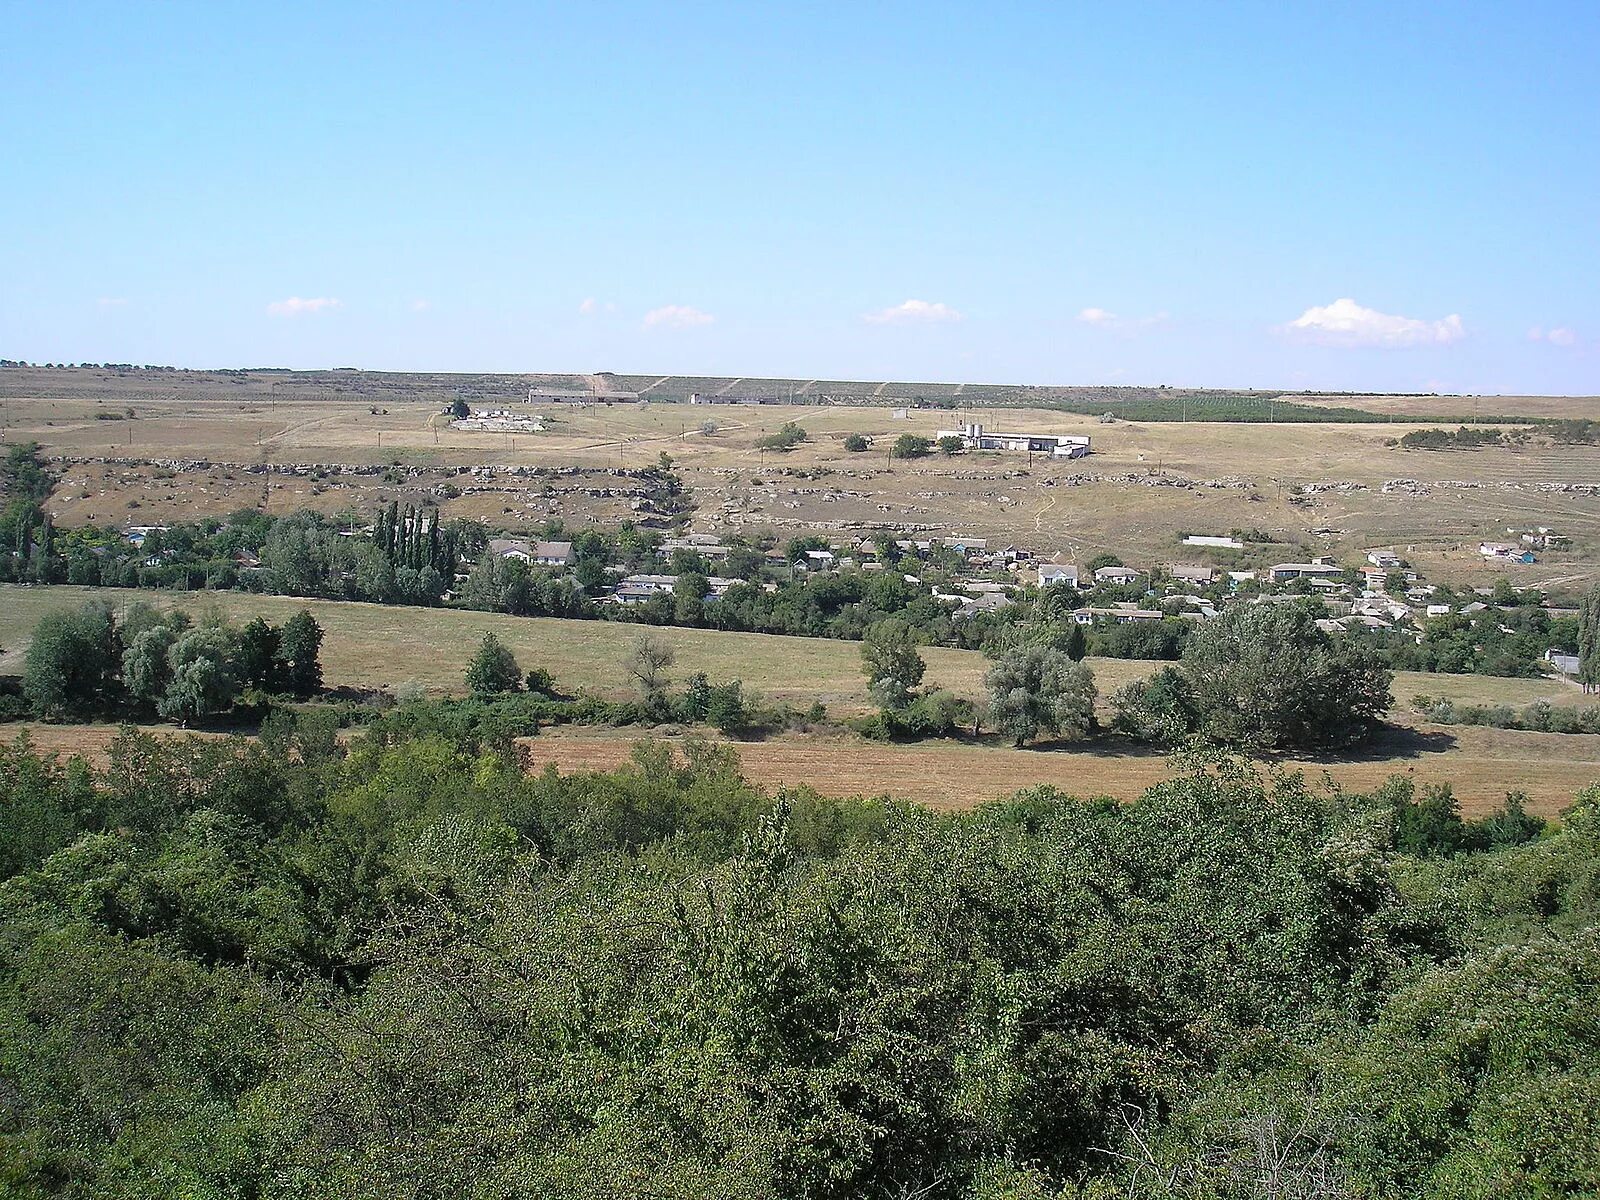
(1545, 539)
(1386, 560)
(1121, 614)
(1115, 575)
(136, 534)
(543, 554)
(1215, 540)
(988, 602)
(1184, 573)
(634, 589)
(967, 547)
(1382, 607)
(1285, 572)
(1051, 574)
(706, 545)
(1566, 664)
(1505, 552)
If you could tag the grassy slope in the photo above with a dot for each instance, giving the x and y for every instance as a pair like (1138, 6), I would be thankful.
(373, 645)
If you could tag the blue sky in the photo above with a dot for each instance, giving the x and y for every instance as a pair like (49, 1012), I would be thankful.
(1389, 197)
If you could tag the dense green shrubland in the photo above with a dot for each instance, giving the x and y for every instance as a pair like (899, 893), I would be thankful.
(405, 967)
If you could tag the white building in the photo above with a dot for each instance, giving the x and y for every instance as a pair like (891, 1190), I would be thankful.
(1051, 574)
(975, 437)
(1207, 539)
(544, 554)
(1567, 664)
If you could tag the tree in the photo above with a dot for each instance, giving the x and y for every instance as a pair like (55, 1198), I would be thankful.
(1159, 709)
(688, 598)
(493, 669)
(460, 410)
(708, 428)
(725, 706)
(647, 664)
(1265, 676)
(146, 671)
(1035, 689)
(892, 664)
(855, 443)
(202, 680)
(951, 443)
(1589, 641)
(1077, 647)
(257, 655)
(910, 445)
(298, 648)
(72, 661)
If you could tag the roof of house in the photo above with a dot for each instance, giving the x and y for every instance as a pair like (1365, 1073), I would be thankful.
(560, 550)
(1309, 568)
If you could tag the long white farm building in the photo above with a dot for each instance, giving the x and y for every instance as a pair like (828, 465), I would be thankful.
(975, 437)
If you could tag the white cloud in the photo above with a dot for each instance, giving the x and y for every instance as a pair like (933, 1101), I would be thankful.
(589, 307)
(421, 305)
(1559, 336)
(676, 316)
(1346, 323)
(111, 301)
(1103, 319)
(296, 306)
(910, 311)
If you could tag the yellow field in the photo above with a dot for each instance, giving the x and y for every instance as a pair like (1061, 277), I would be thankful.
(1481, 765)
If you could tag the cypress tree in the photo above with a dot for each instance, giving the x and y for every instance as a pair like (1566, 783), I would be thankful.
(1589, 641)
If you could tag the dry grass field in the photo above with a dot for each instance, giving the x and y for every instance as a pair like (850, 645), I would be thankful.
(1480, 765)
(1146, 485)
(380, 646)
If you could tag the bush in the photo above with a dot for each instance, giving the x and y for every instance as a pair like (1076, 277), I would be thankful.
(786, 439)
(911, 445)
(493, 669)
(856, 443)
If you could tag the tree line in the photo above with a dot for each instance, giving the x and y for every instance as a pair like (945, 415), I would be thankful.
(138, 662)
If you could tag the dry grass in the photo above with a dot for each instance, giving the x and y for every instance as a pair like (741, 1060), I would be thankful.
(379, 646)
(1049, 506)
(1480, 765)
(382, 646)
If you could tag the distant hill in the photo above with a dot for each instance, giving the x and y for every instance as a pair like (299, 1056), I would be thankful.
(131, 384)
